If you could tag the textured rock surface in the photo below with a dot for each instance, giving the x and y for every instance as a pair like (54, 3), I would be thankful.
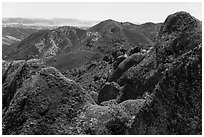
(44, 104)
(176, 102)
(180, 33)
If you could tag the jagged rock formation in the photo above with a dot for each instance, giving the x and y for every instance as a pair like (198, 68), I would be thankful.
(175, 104)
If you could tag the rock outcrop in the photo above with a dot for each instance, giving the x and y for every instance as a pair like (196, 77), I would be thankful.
(41, 101)
(180, 33)
(175, 100)
(176, 104)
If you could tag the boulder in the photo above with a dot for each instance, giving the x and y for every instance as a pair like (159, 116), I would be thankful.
(110, 90)
(125, 65)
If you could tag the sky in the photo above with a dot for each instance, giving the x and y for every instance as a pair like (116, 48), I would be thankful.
(136, 12)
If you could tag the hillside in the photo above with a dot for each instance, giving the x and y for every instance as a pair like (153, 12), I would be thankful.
(11, 35)
(103, 38)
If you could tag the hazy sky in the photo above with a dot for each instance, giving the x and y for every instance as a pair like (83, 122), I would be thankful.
(133, 12)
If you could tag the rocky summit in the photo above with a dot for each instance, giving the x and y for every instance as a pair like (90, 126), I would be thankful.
(151, 88)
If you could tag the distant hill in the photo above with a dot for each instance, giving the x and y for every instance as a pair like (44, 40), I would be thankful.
(48, 22)
(110, 34)
(45, 43)
(102, 38)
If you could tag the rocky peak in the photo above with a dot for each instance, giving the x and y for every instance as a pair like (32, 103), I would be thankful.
(179, 21)
(180, 33)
